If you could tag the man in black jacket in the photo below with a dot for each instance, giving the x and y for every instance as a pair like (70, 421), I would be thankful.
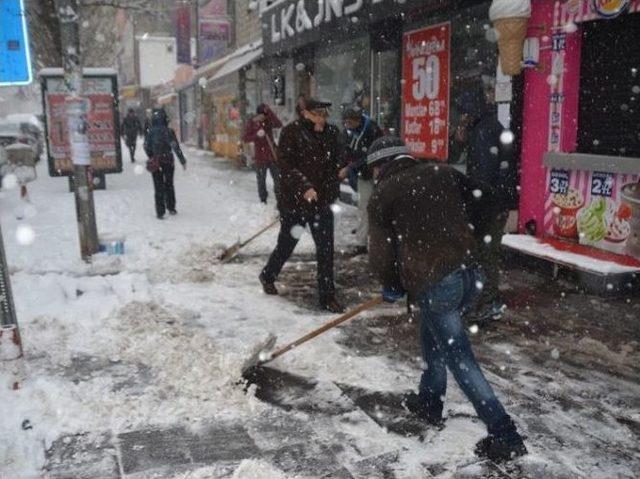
(360, 133)
(425, 225)
(160, 145)
(131, 128)
(309, 155)
(488, 163)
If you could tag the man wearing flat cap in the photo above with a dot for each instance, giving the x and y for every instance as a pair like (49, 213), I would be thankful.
(309, 156)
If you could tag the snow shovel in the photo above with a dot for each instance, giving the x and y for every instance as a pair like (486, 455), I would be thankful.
(231, 251)
(262, 355)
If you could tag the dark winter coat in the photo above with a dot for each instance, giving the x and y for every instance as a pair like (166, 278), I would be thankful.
(161, 142)
(131, 128)
(308, 159)
(263, 151)
(489, 161)
(419, 223)
(357, 143)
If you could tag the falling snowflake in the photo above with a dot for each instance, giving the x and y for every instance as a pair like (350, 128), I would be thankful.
(10, 181)
(487, 239)
(479, 285)
(473, 329)
(296, 231)
(493, 150)
(25, 235)
(477, 193)
(507, 137)
(336, 208)
(555, 354)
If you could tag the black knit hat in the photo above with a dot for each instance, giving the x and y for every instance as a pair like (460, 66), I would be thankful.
(352, 112)
(386, 148)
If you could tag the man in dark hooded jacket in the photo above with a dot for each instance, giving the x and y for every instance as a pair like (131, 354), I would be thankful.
(309, 155)
(160, 145)
(489, 164)
(131, 128)
(425, 224)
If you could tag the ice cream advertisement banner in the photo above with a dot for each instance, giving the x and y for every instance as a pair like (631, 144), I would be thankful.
(597, 209)
(425, 91)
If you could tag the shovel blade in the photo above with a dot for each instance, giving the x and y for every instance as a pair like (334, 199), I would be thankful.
(229, 253)
(260, 354)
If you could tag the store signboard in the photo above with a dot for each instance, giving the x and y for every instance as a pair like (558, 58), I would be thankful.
(594, 208)
(101, 122)
(214, 30)
(425, 91)
(289, 24)
(183, 34)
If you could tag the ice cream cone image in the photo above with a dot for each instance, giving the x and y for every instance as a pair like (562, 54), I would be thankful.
(510, 19)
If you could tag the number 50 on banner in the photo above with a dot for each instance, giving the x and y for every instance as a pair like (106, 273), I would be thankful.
(425, 91)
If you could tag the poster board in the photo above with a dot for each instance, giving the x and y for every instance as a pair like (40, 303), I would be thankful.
(593, 208)
(426, 72)
(103, 123)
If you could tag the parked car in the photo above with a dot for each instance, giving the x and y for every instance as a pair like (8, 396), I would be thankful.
(20, 132)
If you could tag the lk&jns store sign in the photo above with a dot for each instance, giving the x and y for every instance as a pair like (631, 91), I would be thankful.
(291, 24)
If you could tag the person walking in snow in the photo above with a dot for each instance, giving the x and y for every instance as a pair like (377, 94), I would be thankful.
(160, 145)
(259, 131)
(421, 243)
(360, 132)
(309, 157)
(131, 128)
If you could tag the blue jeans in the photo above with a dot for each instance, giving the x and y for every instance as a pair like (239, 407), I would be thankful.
(445, 344)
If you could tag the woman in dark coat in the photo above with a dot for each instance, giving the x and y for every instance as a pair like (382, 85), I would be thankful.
(160, 145)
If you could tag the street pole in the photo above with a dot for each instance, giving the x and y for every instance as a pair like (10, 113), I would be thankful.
(10, 342)
(77, 108)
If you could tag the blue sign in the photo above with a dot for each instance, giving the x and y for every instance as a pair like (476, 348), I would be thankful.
(15, 58)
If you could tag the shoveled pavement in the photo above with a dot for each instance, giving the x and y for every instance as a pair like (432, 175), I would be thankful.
(566, 361)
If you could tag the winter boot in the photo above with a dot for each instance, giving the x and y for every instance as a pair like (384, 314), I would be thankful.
(418, 406)
(268, 287)
(329, 303)
(502, 444)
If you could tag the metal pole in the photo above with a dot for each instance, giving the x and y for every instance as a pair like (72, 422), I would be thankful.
(77, 107)
(10, 342)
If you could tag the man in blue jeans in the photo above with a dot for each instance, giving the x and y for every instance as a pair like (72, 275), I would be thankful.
(427, 222)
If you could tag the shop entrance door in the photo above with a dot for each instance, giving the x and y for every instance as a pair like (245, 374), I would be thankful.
(385, 81)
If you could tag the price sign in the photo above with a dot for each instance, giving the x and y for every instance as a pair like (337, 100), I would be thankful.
(559, 182)
(425, 91)
(601, 184)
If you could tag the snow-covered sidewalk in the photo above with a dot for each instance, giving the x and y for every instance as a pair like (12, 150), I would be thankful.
(132, 364)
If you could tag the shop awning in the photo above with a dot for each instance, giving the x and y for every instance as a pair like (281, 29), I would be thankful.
(239, 59)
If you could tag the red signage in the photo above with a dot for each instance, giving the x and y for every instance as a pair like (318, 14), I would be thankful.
(425, 91)
(183, 34)
(100, 120)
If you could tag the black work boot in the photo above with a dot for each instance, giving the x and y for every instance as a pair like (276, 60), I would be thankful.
(267, 286)
(418, 406)
(329, 303)
(502, 444)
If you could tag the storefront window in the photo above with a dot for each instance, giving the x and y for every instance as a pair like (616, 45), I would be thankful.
(343, 75)
(386, 94)
(609, 118)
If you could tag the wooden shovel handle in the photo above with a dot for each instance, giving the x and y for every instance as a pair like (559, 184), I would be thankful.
(269, 226)
(331, 324)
